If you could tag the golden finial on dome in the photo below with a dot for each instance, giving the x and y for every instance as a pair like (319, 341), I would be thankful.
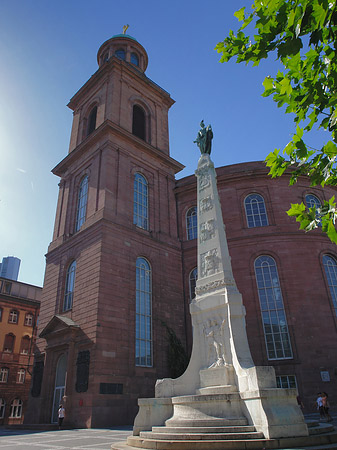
(125, 27)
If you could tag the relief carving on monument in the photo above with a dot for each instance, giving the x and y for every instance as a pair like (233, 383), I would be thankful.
(206, 204)
(207, 230)
(204, 180)
(209, 262)
(214, 332)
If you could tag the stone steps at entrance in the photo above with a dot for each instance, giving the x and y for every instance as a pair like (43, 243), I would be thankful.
(200, 436)
(234, 437)
(209, 422)
(227, 429)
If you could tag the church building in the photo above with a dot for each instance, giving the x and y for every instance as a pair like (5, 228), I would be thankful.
(121, 267)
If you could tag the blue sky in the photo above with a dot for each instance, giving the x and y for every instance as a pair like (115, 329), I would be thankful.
(48, 51)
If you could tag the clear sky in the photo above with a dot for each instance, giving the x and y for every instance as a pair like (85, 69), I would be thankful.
(48, 51)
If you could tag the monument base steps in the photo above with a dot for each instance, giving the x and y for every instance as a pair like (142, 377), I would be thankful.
(235, 437)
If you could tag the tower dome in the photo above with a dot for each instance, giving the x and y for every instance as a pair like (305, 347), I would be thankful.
(124, 47)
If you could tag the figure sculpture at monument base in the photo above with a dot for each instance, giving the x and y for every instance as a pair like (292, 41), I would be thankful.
(221, 390)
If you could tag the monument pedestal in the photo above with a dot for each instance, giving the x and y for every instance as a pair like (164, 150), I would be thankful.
(221, 386)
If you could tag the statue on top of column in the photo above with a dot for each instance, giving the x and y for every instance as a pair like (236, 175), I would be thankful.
(204, 138)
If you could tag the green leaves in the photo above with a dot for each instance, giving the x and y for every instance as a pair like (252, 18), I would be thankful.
(302, 34)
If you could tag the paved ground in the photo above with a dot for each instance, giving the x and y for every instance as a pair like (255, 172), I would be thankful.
(79, 439)
(84, 439)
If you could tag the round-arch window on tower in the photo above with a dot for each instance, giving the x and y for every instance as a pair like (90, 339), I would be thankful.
(138, 122)
(134, 59)
(92, 120)
(120, 53)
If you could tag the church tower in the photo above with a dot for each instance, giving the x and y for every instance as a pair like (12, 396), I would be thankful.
(113, 281)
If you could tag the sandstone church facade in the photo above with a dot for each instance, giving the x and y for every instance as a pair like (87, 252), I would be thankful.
(121, 268)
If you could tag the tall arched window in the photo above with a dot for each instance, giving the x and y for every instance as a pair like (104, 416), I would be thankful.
(2, 408)
(312, 201)
(140, 202)
(272, 309)
(25, 344)
(82, 203)
(69, 287)
(143, 313)
(91, 124)
(16, 409)
(138, 122)
(193, 281)
(255, 211)
(330, 266)
(9, 343)
(192, 223)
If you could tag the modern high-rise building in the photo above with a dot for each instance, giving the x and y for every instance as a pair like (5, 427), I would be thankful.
(121, 267)
(9, 268)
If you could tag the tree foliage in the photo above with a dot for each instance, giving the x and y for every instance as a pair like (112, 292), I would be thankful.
(303, 36)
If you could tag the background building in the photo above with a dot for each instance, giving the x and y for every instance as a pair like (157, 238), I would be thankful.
(120, 270)
(9, 268)
(19, 309)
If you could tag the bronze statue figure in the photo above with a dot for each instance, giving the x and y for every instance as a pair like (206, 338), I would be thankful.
(204, 138)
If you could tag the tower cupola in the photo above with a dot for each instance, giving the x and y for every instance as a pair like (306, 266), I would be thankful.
(124, 47)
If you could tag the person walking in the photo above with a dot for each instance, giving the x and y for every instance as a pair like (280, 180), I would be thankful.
(320, 406)
(326, 407)
(61, 413)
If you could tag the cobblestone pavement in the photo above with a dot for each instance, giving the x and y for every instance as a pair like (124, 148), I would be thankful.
(79, 439)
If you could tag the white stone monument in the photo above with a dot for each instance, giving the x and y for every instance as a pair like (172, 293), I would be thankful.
(221, 385)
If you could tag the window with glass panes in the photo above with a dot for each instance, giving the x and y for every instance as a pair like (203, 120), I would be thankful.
(82, 203)
(192, 223)
(140, 202)
(272, 309)
(330, 267)
(256, 211)
(143, 313)
(286, 381)
(2, 408)
(4, 371)
(69, 287)
(16, 408)
(312, 201)
(21, 376)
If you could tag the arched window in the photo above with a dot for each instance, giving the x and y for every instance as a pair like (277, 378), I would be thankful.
(9, 343)
(192, 223)
(4, 371)
(91, 124)
(2, 408)
(193, 281)
(140, 202)
(120, 53)
(21, 376)
(138, 122)
(330, 266)
(134, 59)
(25, 344)
(69, 287)
(13, 316)
(29, 320)
(16, 409)
(272, 309)
(256, 211)
(312, 201)
(143, 313)
(82, 203)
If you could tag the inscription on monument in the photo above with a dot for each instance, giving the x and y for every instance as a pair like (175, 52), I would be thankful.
(209, 262)
(207, 230)
(206, 204)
